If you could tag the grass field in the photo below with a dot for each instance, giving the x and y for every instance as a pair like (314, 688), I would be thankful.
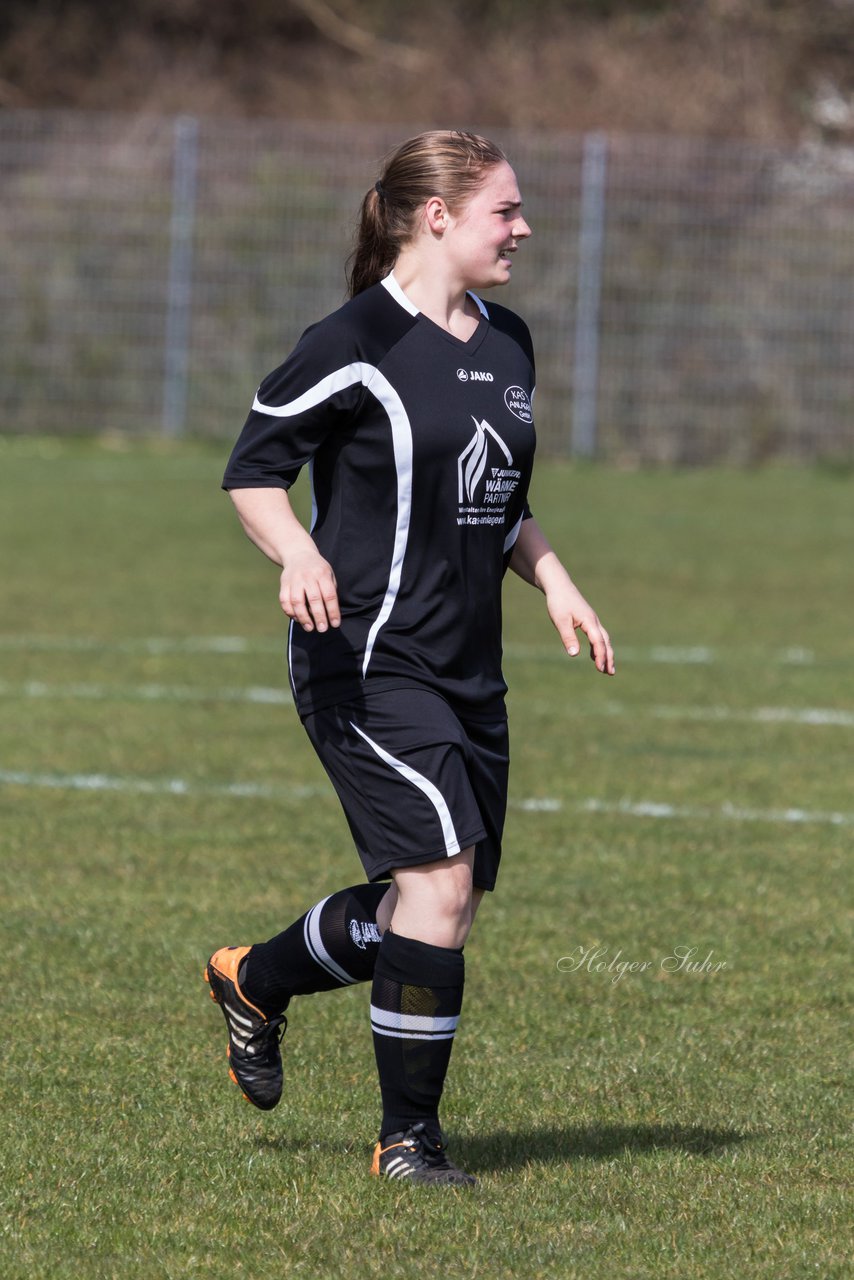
(158, 800)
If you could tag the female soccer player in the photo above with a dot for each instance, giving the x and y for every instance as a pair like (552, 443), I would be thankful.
(411, 407)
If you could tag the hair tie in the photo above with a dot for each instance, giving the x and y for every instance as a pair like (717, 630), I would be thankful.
(380, 189)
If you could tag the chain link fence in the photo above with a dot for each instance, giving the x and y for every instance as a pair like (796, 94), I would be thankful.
(690, 301)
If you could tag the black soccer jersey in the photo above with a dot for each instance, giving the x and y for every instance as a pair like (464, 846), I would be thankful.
(420, 449)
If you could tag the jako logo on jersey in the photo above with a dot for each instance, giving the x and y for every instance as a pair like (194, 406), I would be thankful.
(472, 461)
(519, 404)
(475, 376)
(362, 934)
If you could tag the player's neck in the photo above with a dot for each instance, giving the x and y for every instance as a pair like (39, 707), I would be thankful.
(446, 304)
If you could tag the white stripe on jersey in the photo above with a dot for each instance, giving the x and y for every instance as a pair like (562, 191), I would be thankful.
(433, 794)
(385, 1021)
(329, 386)
(313, 496)
(401, 438)
(314, 943)
(510, 540)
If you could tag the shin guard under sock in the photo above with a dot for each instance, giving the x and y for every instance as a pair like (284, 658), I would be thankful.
(416, 1000)
(335, 944)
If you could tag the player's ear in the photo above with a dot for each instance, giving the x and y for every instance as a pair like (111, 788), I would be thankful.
(436, 214)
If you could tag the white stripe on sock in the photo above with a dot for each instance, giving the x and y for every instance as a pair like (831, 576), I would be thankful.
(386, 1020)
(412, 1035)
(314, 942)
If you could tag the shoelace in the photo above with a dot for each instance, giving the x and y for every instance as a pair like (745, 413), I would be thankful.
(416, 1153)
(434, 1154)
(266, 1040)
(426, 1152)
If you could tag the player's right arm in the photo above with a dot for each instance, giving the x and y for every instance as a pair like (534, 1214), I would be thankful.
(307, 589)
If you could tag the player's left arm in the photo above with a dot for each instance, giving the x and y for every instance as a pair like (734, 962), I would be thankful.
(534, 560)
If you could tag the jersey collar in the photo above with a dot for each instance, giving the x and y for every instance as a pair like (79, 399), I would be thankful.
(399, 296)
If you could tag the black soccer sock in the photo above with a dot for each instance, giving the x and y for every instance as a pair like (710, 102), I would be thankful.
(416, 1000)
(335, 944)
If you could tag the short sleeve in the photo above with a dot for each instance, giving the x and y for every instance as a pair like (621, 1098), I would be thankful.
(298, 406)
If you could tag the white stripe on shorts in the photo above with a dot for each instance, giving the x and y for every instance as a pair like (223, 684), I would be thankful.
(433, 794)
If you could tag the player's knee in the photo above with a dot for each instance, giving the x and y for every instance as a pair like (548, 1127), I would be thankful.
(452, 895)
(434, 903)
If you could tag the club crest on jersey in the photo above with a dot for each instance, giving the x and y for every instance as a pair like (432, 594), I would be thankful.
(519, 403)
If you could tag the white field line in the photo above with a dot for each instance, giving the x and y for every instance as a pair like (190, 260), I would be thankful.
(147, 645)
(676, 655)
(820, 716)
(145, 692)
(652, 809)
(270, 695)
(99, 782)
(156, 786)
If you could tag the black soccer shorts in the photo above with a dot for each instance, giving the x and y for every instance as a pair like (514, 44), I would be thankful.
(417, 782)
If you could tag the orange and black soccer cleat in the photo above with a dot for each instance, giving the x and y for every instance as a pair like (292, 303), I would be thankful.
(412, 1156)
(253, 1037)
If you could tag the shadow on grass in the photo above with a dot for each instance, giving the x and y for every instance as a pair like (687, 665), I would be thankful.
(505, 1149)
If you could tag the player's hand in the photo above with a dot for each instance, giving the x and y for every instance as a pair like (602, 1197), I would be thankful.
(308, 592)
(570, 612)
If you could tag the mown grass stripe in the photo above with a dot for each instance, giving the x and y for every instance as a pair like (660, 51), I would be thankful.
(270, 695)
(155, 786)
(546, 804)
(262, 694)
(140, 644)
(820, 717)
(668, 655)
(653, 809)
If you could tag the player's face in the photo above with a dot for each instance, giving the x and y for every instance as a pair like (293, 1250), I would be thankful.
(487, 230)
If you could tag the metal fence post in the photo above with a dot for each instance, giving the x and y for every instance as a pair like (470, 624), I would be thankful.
(176, 361)
(591, 245)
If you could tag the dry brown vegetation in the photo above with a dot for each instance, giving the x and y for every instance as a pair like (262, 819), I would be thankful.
(761, 69)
